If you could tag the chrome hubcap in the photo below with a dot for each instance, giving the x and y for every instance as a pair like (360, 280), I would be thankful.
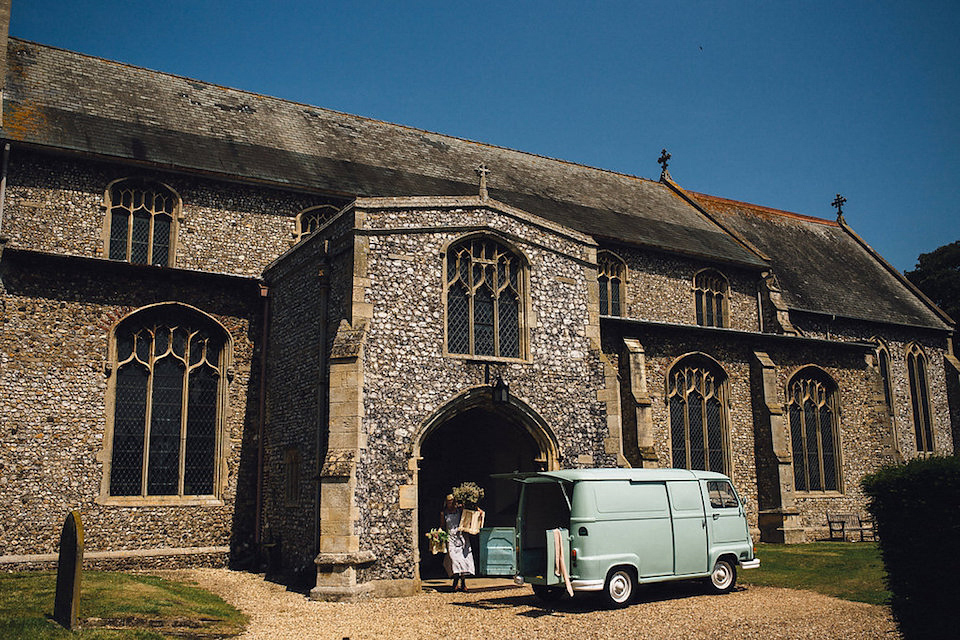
(721, 576)
(620, 587)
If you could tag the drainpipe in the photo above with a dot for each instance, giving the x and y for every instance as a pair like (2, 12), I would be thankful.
(3, 197)
(262, 412)
(323, 383)
(3, 182)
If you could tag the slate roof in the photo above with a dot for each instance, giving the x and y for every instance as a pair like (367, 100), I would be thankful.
(823, 267)
(73, 102)
(60, 99)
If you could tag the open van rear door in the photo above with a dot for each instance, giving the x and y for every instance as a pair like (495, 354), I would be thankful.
(558, 540)
(543, 527)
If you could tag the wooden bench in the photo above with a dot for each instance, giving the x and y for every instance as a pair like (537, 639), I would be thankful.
(841, 524)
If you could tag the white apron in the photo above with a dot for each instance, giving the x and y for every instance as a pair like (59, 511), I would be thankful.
(459, 558)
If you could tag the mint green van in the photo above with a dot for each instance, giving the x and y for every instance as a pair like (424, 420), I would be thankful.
(617, 528)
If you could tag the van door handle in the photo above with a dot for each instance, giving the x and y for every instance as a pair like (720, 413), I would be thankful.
(716, 516)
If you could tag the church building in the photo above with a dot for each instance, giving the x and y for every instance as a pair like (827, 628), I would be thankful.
(238, 329)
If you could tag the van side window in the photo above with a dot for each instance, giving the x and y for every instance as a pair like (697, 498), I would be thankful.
(686, 496)
(721, 495)
(624, 497)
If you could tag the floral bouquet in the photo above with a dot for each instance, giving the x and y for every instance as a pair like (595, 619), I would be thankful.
(438, 540)
(469, 493)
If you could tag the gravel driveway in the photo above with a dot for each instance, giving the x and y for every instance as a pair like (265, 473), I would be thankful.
(678, 610)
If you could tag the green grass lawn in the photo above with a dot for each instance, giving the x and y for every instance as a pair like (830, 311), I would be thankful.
(848, 570)
(142, 606)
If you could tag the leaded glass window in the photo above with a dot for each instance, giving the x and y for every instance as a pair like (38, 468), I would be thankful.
(920, 398)
(166, 406)
(883, 362)
(814, 436)
(710, 297)
(484, 299)
(695, 390)
(142, 222)
(611, 275)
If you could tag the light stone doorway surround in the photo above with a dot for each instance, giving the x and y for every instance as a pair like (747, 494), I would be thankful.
(469, 439)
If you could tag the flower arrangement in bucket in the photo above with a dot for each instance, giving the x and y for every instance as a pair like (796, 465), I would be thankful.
(438, 540)
(470, 494)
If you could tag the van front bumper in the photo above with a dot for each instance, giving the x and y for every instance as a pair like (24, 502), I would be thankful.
(750, 564)
(587, 585)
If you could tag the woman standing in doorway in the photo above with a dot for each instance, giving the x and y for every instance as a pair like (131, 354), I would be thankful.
(459, 559)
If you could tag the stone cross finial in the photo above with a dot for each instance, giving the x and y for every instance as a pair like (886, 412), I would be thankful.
(663, 160)
(482, 172)
(838, 203)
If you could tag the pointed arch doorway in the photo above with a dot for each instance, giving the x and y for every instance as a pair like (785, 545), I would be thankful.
(469, 442)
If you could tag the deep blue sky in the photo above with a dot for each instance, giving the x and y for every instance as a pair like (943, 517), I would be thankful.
(775, 103)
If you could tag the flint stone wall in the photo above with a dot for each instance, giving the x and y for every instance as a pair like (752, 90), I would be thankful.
(897, 339)
(659, 288)
(296, 396)
(405, 342)
(57, 315)
(56, 204)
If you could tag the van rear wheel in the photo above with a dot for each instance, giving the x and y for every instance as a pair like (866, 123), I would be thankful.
(723, 576)
(619, 589)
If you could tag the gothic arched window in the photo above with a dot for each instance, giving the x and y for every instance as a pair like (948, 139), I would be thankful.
(695, 393)
(309, 220)
(611, 276)
(168, 389)
(485, 299)
(812, 412)
(883, 363)
(920, 398)
(141, 222)
(710, 296)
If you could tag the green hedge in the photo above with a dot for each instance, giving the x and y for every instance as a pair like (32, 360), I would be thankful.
(916, 509)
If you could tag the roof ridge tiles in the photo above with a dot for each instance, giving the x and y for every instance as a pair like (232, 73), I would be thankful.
(409, 128)
(760, 207)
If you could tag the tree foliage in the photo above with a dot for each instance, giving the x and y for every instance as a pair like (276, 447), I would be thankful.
(937, 274)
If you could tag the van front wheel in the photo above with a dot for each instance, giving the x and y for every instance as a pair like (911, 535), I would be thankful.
(723, 576)
(619, 588)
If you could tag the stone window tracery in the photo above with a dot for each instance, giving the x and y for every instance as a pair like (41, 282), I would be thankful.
(141, 222)
(710, 292)
(168, 390)
(695, 395)
(611, 276)
(485, 299)
(883, 363)
(920, 398)
(309, 220)
(812, 413)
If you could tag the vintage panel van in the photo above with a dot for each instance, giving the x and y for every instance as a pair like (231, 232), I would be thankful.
(612, 529)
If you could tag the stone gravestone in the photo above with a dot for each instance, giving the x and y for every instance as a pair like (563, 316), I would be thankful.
(69, 567)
